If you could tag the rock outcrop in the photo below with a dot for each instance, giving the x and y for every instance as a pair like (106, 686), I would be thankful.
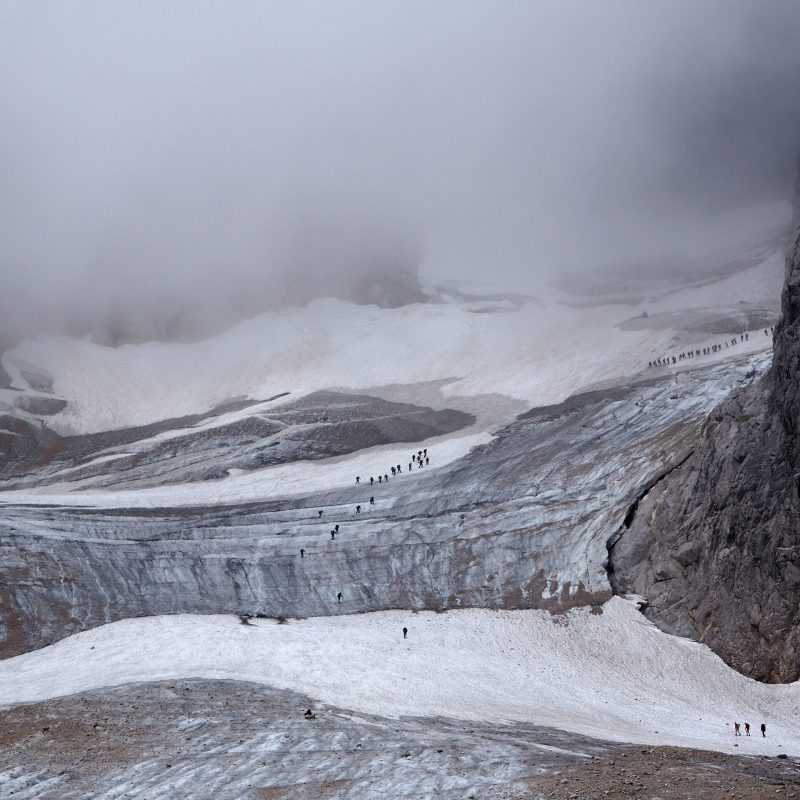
(714, 547)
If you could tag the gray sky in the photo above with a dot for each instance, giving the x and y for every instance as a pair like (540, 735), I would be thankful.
(210, 156)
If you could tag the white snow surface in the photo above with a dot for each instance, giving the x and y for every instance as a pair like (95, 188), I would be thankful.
(611, 675)
(288, 480)
(538, 355)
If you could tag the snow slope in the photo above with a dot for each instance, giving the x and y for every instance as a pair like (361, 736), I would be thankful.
(537, 355)
(610, 675)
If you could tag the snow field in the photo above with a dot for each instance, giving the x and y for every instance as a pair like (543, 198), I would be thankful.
(534, 354)
(298, 478)
(611, 675)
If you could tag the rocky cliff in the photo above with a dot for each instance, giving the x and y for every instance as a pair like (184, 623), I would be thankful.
(714, 546)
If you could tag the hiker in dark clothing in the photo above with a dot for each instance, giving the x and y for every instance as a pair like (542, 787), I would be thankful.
(302, 552)
(736, 731)
(309, 715)
(763, 730)
(425, 452)
(386, 479)
(399, 469)
(394, 472)
(747, 729)
(339, 597)
(427, 461)
(371, 480)
(380, 478)
(413, 457)
(372, 501)
(409, 467)
(333, 535)
(405, 633)
(358, 480)
(320, 512)
(358, 509)
(337, 528)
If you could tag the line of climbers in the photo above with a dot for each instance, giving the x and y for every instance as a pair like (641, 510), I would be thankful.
(420, 458)
(665, 361)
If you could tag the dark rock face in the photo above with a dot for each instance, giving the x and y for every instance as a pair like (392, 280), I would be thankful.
(715, 545)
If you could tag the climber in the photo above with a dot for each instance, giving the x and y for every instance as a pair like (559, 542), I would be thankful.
(320, 512)
(302, 552)
(371, 480)
(337, 528)
(763, 730)
(405, 634)
(339, 597)
(736, 731)
(358, 480)
(372, 501)
(747, 729)
(358, 509)
(309, 715)
(333, 534)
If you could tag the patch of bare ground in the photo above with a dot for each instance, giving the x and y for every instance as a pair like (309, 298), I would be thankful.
(666, 773)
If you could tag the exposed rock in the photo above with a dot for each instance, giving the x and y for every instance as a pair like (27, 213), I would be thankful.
(731, 515)
(36, 404)
(688, 553)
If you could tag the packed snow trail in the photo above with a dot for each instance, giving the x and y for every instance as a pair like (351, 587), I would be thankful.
(612, 675)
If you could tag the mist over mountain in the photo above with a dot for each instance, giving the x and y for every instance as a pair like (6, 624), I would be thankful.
(166, 169)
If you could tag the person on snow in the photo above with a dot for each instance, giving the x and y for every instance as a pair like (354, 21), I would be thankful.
(427, 461)
(405, 633)
(320, 512)
(747, 729)
(425, 452)
(337, 528)
(339, 597)
(372, 501)
(736, 731)
(358, 509)
(386, 479)
(380, 478)
(371, 480)
(409, 467)
(309, 715)
(333, 534)
(302, 552)
(358, 480)
(763, 730)
(394, 472)
(399, 468)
